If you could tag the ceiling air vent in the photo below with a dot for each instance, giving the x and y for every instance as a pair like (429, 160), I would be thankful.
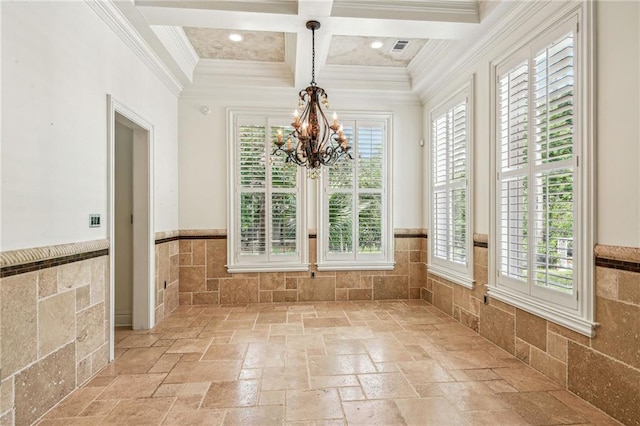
(399, 46)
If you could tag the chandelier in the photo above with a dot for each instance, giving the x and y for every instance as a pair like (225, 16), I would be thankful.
(313, 142)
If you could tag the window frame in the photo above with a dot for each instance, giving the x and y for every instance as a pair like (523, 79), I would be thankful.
(444, 268)
(580, 316)
(237, 263)
(360, 261)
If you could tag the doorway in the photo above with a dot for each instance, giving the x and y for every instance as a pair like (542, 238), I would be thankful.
(130, 220)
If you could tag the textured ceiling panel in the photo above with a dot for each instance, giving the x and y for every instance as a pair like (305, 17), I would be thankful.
(261, 46)
(350, 50)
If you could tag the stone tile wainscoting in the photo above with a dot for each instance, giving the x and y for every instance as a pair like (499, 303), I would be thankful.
(204, 278)
(167, 273)
(604, 370)
(54, 325)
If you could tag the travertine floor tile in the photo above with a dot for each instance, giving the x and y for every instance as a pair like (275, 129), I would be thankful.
(240, 393)
(386, 350)
(196, 417)
(272, 398)
(138, 341)
(317, 364)
(542, 408)
(226, 351)
(184, 346)
(382, 412)
(99, 408)
(263, 416)
(316, 404)
(341, 364)
(526, 379)
(134, 361)
(262, 355)
(143, 411)
(351, 393)
(133, 386)
(386, 386)
(210, 371)
(429, 411)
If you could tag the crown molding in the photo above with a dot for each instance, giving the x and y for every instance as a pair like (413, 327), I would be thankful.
(356, 77)
(458, 11)
(226, 72)
(503, 29)
(431, 53)
(179, 47)
(218, 76)
(118, 23)
(284, 97)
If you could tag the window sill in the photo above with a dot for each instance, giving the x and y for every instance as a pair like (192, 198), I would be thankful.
(272, 267)
(542, 309)
(356, 266)
(453, 276)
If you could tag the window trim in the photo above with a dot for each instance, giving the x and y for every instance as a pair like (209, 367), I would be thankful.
(451, 271)
(234, 264)
(378, 262)
(582, 318)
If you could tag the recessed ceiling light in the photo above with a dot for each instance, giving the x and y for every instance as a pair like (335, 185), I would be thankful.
(376, 44)
(235, 37)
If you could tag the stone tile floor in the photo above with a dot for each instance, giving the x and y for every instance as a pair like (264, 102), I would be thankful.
(325, 363)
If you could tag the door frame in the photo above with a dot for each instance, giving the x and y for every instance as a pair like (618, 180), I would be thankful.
(144, 295)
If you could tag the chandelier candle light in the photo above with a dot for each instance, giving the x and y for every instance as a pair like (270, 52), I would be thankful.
(313, 142)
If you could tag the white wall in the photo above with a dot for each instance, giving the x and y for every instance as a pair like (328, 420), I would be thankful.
(618, 153)
(618, 117)
(203, 153)
(59, 61)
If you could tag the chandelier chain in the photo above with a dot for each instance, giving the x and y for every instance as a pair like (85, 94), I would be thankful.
(313, 57)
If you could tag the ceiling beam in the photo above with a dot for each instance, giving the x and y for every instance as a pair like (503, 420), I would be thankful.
(302, 74)
(251, 6)
(445, 11)
(308, 9)
(315, 9)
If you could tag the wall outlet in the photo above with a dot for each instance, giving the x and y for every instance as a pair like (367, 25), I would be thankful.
(94, 221)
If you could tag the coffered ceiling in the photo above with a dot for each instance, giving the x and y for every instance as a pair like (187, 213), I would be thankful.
(275, 45)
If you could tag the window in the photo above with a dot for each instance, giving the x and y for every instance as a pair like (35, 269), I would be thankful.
(267, 219)
(450, 254)
(355, 229)
(543, 251)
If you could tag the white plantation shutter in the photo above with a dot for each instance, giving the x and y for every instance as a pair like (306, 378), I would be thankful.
(284, 200)
(252, 189)
(340, 189)
(354, 205)
(535, 135)
(355, 194)
(370, 178)
(449, 224)
(267, 210)
(513, 118)
(553, 107)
